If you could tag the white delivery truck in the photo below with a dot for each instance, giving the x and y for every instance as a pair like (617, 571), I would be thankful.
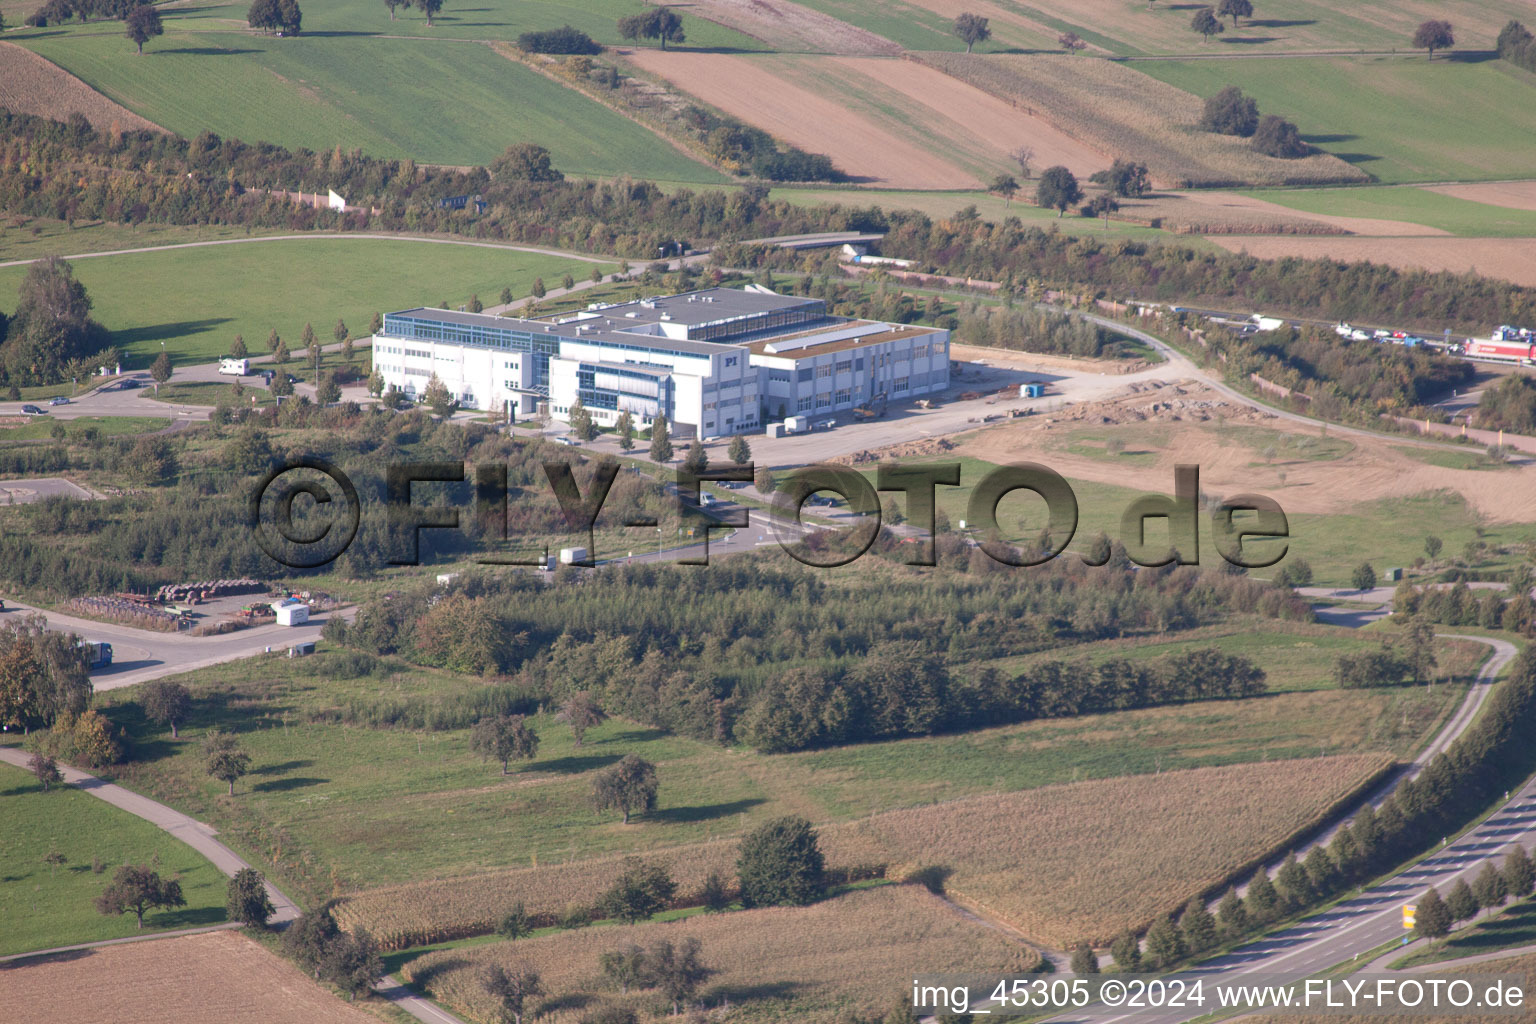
(797, 424)
(569, 556)
(235, 367)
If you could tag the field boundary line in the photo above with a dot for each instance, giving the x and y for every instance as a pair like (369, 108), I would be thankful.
(36, 953)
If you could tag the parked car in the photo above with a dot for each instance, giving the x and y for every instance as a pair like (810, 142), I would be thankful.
(60, 400)
(32, 410)
(563, 439)
(130, 384)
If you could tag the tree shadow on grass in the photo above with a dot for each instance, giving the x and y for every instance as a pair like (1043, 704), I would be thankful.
(203, 51)
(704, 812)
(763, 990)
(285, 766)
(635, 736)
(1248, 40)
(1278, 22)
(165, 332)
(575, 764)
(284, 785)
(194, 917)
(52, 958)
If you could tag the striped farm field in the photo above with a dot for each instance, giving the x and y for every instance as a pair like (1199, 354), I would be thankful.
(1059, 863)
(894, 123)
(814, 965)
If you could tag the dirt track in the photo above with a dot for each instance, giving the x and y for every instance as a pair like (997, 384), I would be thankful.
(1517, 195)
(789, 26)
(1250, 214)
(1510, 259)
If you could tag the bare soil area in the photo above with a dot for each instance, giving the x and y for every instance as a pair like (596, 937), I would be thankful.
(1517, 195)
(1509, 259)
(31, 85)
(789, 26)
(1187, 422)
(193, 979)
(1227, 213)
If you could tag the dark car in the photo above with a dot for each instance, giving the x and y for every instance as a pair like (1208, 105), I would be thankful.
(130, 384)
(33, 410)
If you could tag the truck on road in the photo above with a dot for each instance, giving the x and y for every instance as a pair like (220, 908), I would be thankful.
(797, 425)
(98, 653)
(235, 367)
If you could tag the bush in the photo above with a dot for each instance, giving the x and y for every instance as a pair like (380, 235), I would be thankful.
(564, 39)
(780, 864)
(1229, 112)
(1278, 137)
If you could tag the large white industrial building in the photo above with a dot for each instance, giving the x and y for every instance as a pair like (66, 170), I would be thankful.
(720, 361)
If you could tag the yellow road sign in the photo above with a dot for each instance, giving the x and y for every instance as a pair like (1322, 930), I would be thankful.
(1409, 910)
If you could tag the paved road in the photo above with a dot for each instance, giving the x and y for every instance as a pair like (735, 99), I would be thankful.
(139, 655)
(189, 830)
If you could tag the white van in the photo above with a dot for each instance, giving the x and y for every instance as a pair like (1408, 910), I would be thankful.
(235, 367)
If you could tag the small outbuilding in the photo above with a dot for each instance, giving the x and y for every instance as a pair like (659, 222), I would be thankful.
(290, 612)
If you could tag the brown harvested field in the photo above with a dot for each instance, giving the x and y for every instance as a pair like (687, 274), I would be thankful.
(1228, 213)
(893, 123)
(1516, 195)
(1189, 423)
(1509, 259)
(1120, 111)
(220, 977)
(1091, 859)
(1009, 24)
(31, 85)
(1053, 862)
(790, 26)
(807, 964)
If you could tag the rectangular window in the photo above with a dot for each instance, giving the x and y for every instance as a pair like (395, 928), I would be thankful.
(823, 371)
(843, 395)
(844, 365)
(823, 400)
(902, 384)
(804, 404)
(805, 372)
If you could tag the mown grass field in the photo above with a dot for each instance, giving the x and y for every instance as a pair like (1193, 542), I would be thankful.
(104, 426)
(389, 806)
(1415, 205)
(816, 964)
(1278, 26)
(1399, 119)
(42, 907)
(206, 296)
(1333, 544)
(448, 101)
(27, 238)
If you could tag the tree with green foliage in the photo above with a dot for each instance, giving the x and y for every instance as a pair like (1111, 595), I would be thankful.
(1198, 926)
(375, 383)
(1489, 887)
(281, 355)
(224, 759)
(1322, 872)
(1460, 903)
(1229, 112)
(1206, 23)
(1165, 943)
(971, 29)
(46, 770)
(376, 324)
(715, 895)
(247, 900)
(763, 481)
(1125, 178)
(438, 398)
(281, 386)
(137, 888)
(525, 161)
(1084, 959)
(623, 967)
(641, 890)
(780, 864)
(353, 963)
(1102, 205)
(272, 340)
(625, 429)
(627, 786)
(660, 23)
(1005, 185)
(580, 712)
(1262, 902)
(504, 737)
(739, 452)
(1277, 137)
(1364, 576)
(54, 858)
(515, 923)
(394, 4)
(327, 392)
(1126, 952)
(1519, 873)
(340, 332)
(581, 421)
(661, 440)
(237, 349)
(1419, 646)
(142, 24)
(676, 971)
(1292, 884)
(348, 348)
(1070, 42)
(166, 702)
(429, 8)
(1234, 9)
(1057, 189)
(1231, 914)
(1433, 35)
(696, 460)
(160, 369)
(1431, 918)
